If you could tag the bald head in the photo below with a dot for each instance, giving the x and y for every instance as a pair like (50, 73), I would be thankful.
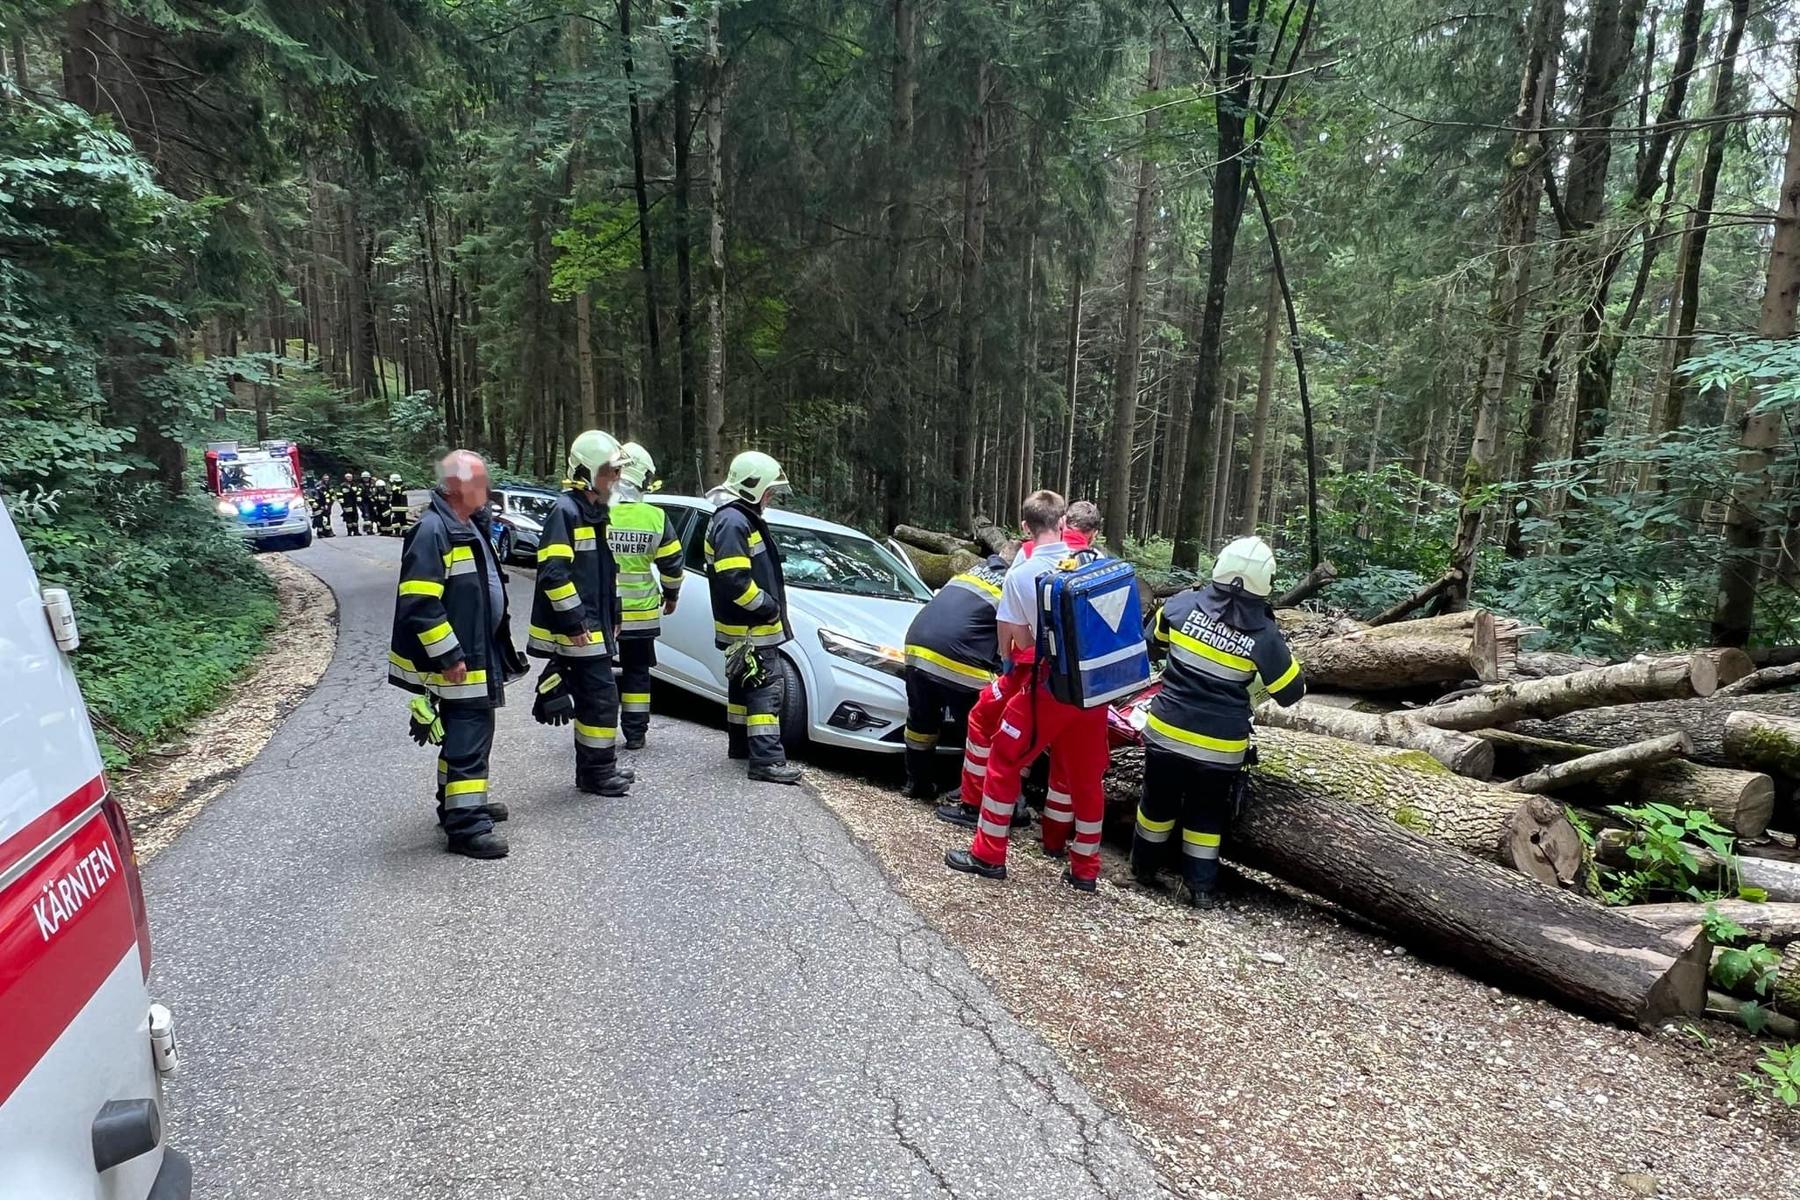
(462, 477)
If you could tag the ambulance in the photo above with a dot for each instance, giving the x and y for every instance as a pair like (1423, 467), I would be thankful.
(257, 490)
(83, 1049)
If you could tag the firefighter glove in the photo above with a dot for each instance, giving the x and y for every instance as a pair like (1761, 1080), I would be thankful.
(743, 664)
(553, 705)
(427, 728)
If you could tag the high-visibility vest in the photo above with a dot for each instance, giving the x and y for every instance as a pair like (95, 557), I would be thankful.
(642, 540)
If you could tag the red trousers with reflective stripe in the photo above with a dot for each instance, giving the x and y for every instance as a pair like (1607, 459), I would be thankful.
(1031, 723)
(984, 722)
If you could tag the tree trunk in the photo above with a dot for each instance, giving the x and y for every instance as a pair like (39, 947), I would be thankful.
(1493, 922)
(1117, 484)
(712, 427)
(1461, 752)
(1760, 429)
(1071, 383)
(894, 469)
(1775, 924)
(686, 468)
(1643, 679)
(360, 318)
(1636, 757)
(1781, 880)
(651, 397)
(1509, 296)
(937, 543)
(1265, 395)
(1232, 82)
(1765, 742)
(1693, 241)
(1741, 801)
(970, 297)
(1703, 720)
(1784, 991)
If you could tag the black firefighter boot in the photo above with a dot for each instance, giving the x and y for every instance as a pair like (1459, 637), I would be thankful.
(777, 772)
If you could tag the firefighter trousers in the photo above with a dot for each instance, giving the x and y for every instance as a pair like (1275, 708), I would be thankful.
(934, 708)
(352, 517)
(1187, 803)
(596, 716)
(1031, 723)
(753, 698)
(462, 768)
(636, 656)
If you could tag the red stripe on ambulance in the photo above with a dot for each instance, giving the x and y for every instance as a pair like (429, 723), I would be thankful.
(64, 925)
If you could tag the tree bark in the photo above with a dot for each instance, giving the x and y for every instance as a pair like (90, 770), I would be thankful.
(1265, 395)
(1764, 742)
(937, 543)
(1761, 428)
(1463, 753)
(1636, 757)
(1131, 343)
(1314, 581)
(894, 469)
(1071, 383)
(650, 389)
(1704, 720)
(685, 466)
(1774, 923)
(1781, 880)
(1741, 801)
(1393, 664)
(1490, 921)
(970, 296)
(712, 426)
(1643, 679)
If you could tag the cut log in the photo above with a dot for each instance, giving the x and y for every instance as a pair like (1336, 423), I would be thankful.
(1495, 923)
(1723, 1007)
(1741, 801)
(1418, 599)
(1764, 741)
(1461, 752)
(1704, 721)
(1315, 581)
(1641, 679)
(1541, 664)
(1350, 702)
(1636, 757)
(1774, 656)
(1780, 881)
(1784, 989)
(1763, 679)
(937, 543)
(1391, 664)
(1774, 923)
(938, 569)
(994, 540)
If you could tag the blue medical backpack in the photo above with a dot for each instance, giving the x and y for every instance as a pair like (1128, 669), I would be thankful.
(1091, 631)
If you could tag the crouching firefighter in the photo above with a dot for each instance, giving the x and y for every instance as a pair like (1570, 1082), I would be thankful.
(952, 653)
(575, 610)
(749, 604)
(648, 557)
(452, 645)
(1221, 640)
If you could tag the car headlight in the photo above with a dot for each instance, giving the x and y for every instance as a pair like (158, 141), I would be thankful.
(868, 654)
(226, 508)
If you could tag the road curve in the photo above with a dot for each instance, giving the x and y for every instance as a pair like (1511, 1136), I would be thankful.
(702, 990)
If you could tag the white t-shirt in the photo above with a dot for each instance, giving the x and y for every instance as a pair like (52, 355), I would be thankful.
(1018, 595)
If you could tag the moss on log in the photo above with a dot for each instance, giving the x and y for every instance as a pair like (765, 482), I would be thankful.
(1764, 741)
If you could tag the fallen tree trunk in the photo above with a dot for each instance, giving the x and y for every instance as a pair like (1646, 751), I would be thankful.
(1703, 720)
(1697, 674)
(1764, 741)
(1774, 923)
(937, 543)
(1418, 599)
(1541, 664)
(1721, 1006)
(1391, 664)
(1461, 752)
(1780, 881)
(1784, 989)
(1635, 757)
(1494, 923)
(1741, 801)
(994, 540)
(1763, 679)
(1315, 581)
(939, 569)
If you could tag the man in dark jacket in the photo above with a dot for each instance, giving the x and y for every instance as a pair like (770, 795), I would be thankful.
(952, 653)
(749, 604)
(1221, 639)
(575, 611)
(452, 644)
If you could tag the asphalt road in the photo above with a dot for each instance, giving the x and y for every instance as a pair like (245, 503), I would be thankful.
(702, 990)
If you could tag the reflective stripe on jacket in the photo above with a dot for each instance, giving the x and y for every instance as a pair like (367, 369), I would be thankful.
(954, 637)
(743, 575)
(577, 587)
(442, 614)
(648, 557)
(1203, 710)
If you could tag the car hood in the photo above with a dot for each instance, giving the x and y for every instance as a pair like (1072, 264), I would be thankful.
(871, 618)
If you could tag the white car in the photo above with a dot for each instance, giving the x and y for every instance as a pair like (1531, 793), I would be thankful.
(850, 600)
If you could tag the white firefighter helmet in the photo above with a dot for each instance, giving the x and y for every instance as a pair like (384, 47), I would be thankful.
(365, 474)
(639, 468)
(395, 479)
(1249, 562)
(754, 476)
(592, 452)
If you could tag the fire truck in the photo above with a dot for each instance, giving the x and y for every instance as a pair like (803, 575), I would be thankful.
(257, 489)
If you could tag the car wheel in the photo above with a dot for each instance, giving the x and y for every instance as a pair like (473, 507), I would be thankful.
(505, 550)
(793, 707)
(302, 540)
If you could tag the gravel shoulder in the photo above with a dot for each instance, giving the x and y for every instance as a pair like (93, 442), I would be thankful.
(1274, 1051)
(168, 786)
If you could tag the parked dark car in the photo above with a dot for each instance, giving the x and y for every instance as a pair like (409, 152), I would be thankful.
(518, 512)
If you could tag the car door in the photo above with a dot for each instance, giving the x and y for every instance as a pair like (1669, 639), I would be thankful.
(685, 654)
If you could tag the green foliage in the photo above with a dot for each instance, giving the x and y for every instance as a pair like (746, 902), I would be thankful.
(1387, 531)
(1663, 865)
(1780, 1075)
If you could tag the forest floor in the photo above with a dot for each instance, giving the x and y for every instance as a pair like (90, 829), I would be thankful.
(167, 786)
(1273, 1051)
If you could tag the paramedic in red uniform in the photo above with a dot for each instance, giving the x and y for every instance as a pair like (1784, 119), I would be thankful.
(1080, 526)
(1221, 638)
(1033, 722)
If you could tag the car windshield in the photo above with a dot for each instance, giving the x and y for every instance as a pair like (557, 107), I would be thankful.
(530, 504)
(837, 562)
(255, 476)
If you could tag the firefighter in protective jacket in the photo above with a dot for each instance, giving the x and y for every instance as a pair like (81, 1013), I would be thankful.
(398, 510)
(452, 646)
(648, 557)
(952, 653)
(749, 604)
(1221, 640)
(575, 612)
